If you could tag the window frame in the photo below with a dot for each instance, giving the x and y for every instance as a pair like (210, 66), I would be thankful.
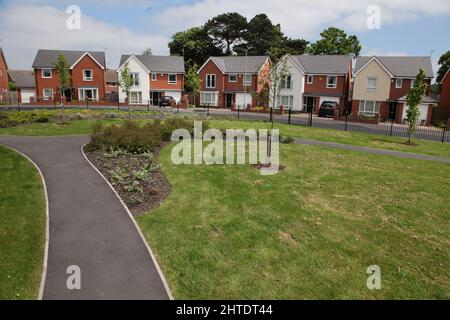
(208, 80)
(212, 102)
(284, 83)
(168, 78)
(47, 97)
(308, 79)
(232, 75)
(46, 69)
(371, 88)
(84, 75)
(244, 80)
(290, 99)
(135, 76)
(138, 97)
(364, 112)
(397, 86)
(328, 82)
(154, 76)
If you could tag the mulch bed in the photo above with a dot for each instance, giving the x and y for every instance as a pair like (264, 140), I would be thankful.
(156, 188)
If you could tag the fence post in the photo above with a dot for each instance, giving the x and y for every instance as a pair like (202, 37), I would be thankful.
(311, 116)
(178, 108)
(148, 105)
(392, 127)
(271, 114)
(239, 111)
(207, 106)
(346, 121)
(443, 134)
(289, 118)
(118, 104)
(54, 103)
(87, 103)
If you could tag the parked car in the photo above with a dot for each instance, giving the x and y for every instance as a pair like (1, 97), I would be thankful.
(166, 101)
(328, 108)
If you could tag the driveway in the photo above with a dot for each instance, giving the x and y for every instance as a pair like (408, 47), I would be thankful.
(89, 228)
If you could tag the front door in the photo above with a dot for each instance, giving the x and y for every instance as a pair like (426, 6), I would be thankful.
(309, 104)
(231, 97)
(392, 110)
(155, 96)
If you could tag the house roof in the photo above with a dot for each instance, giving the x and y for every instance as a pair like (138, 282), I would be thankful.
(3, 55)
(46, 58)
(323, 64)
(111, 76)
(156, 64)
(425, 99)
(400, 67)
(239, 64)
(23, 78)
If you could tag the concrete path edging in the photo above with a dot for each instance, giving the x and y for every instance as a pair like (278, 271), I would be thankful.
(150, 251)
(47, 228)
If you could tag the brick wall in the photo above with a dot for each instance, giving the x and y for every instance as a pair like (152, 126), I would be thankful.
(98, 80)
(162, 82)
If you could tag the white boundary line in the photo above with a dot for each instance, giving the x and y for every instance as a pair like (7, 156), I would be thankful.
(161, 275)
(44, 269)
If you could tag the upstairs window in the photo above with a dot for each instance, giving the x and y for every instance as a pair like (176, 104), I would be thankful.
(398, 83)
(371, 84)
(412, 83)
(154, 76)
(210, 81)
(88, 75)
(286, 83)
(331, 82)
(135, 77)
(310, 79)
(247, 80)
(46, 73)
(172, 79)
(232, 78)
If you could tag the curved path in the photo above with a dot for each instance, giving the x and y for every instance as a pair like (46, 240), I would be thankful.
(89, 228)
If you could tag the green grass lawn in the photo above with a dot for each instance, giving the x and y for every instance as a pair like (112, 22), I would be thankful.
(22, 227)
(353, 138)
(346, 137)
(310, 232)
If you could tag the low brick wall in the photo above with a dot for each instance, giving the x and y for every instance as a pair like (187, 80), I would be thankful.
(358, 119)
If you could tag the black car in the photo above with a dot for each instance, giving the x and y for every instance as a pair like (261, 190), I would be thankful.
(166, 101)
(328, 108)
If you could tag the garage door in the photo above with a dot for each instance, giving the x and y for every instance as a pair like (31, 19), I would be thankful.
(333, 99)
(26, 95)
(423, 109)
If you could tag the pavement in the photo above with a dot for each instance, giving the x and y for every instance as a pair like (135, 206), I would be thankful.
(89, 228)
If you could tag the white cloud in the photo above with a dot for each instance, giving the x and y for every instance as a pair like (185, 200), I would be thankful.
(23, 27)
(302, 18)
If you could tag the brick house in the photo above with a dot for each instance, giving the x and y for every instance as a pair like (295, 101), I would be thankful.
(87, 75)
(381, 84)
(25, 84)
(3, 76)
(111, 85)
(444, 100)
(154, 77)
(234, 80)
(315, 79)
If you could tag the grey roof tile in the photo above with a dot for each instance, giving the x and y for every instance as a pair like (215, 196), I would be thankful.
(323, 64)
(23, 78)
(173, 64)
(406, 67)
(46, 58)
(238, 64)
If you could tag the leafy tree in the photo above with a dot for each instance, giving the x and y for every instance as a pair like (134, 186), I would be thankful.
(194, 45)
(336, 42)
(192, 81)
(444, 62)
(260, 36)
(63, 69)
(12, 86)
(413, 100)
(147, 52)
(125, 83)
(226, 30)
(288, 46)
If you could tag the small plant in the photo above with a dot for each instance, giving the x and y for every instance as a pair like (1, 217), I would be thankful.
(114, 153)
(287, 140)
(134, 188)
(119, 176)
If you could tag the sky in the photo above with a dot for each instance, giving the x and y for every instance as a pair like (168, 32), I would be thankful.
(407, 27)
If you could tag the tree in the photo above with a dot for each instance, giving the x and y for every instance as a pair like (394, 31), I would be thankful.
(444, 62)
(259, 37)
(126, 82)
(192, 81)
(194, 45)
(336, 42)
(226, 30)
(413, 100)
(62, 67)
(288, 46)
(147, 52)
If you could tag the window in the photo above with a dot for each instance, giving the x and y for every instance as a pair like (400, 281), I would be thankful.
(369, 108)
(371, 84)
(286, 83)
(247, 80)
(210, 81)
(135, 77)
(232, 78)
(154, 76)
(136, 97)
(398, 83)
(412, 83)
(310, 79)
(87, 75)
(286, 101)
(48, 94)
(331, 82)
(172, 79)
(208, 98)
(89, 94)
(46, 73)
